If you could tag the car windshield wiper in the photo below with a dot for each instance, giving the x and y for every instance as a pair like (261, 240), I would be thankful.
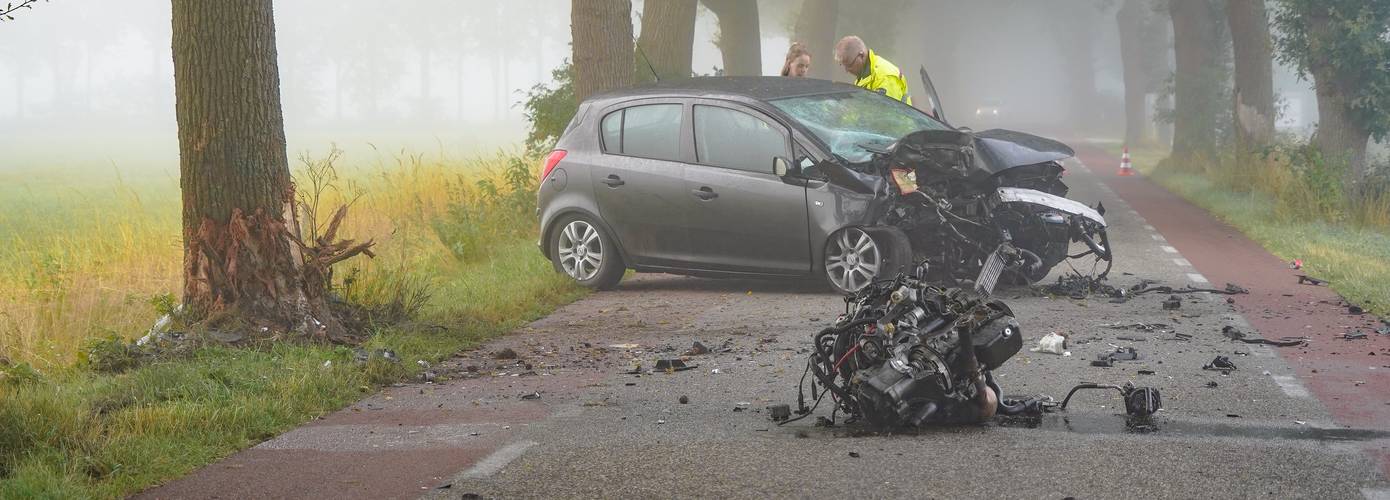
(872, 148)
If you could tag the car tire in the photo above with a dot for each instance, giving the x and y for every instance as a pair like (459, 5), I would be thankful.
(581, 249)
(875, 253)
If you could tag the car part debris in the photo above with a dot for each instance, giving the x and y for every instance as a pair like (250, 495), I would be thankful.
(1146, 372)
(1305, 279)
(1235, 334)
(1172, 303)
(908, 353)
(531, 396)
(1052, 343)
(1147, 327)
(697, 349)
(1222, 364)
(1355, 309)
(1108, 359)
(1212, 384)
(1357, 335)
(672, 365)
(1296, 264)
(1139, 401)
(684, 399)
(1079, 286)
(779, 413)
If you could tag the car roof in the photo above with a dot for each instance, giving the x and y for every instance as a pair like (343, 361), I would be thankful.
(760, 88)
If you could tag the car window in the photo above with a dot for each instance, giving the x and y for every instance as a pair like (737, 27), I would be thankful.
(652, 131)
(612, 126)
(734, 139)
(846, 120)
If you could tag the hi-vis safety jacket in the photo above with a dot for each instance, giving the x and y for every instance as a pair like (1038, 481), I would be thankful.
(885, 78)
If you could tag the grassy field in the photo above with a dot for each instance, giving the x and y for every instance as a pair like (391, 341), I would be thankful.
(83, 260)
(1295, 212)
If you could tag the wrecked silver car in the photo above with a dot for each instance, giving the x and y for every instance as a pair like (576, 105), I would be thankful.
(793, 177)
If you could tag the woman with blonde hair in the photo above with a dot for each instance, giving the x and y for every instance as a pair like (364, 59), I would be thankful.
(798, 61)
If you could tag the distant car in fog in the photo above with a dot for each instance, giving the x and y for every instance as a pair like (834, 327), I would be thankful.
(989, 111)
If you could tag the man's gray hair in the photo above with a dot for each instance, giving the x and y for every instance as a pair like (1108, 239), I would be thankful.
(848, 47)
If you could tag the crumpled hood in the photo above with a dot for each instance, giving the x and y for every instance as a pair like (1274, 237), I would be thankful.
(999, 150)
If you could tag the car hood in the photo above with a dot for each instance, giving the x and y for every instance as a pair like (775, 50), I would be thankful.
(998, 150)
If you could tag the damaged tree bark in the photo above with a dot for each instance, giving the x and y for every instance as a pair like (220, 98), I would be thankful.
(244, 268)
(1254, 72)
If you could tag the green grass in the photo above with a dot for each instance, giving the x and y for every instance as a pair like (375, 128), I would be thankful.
(68, 431)
(1291, 221)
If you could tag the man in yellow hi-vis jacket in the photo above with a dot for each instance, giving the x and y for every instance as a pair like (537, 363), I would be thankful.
(871, 71)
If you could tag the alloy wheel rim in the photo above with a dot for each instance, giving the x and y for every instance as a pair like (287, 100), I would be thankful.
(580, 250)
(852, 260)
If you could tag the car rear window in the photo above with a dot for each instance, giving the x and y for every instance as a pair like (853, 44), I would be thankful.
(648, 131)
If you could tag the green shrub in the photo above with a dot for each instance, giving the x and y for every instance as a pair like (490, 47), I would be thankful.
(550, 109)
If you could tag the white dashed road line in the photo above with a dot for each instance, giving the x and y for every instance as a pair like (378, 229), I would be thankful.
(1197, 278)
(1182, 262)
(1169, 249)
(498, 459)
(1291, 386)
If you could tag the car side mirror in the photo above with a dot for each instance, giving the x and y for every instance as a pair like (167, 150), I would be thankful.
(780, 166)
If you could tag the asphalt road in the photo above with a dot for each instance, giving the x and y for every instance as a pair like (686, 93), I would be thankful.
(597, 432)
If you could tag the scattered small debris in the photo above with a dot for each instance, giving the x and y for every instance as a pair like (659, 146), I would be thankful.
(1233, 333)
(1355, 309)
(1172, 303)
(624, 346)
(779, 413)
(715, 371)
(1108, 359)
(853, 454)
(672, 365)
(1296, 264)
(1052, 343)
(1232, 415)
(1212, 384)
(684, 399)
(697, 349)
(1357, 335)
(659, 422)
(533, 395)
(801, 433)
(1146, 372)
(1304, 279)
(505, 353)
(1222, 364)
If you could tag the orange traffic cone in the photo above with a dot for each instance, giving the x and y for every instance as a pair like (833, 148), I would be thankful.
(1125, 168)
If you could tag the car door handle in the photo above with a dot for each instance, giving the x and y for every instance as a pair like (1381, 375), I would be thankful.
(613, 181)
(704, 193)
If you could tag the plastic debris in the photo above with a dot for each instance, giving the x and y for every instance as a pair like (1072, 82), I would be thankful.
(1222, 364)
(779, 413)
(697, 349)
(1305, 279)
(531, 396)
(1296, 264)
(1357, 335)
(672, 365)
(1052, 343)
(1172, 303)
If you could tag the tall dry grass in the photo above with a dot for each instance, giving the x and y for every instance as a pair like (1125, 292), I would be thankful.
(82, 259)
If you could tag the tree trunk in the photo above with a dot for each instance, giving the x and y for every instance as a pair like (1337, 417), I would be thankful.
(1253, 99)
(1341, 136)
(1198, 80)
(242, 267)
(1130, 19)
(667, 40)
(815, 27)
(740, 41)
(602, 33)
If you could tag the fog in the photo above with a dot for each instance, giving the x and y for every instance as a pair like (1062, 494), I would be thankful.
(89, 84)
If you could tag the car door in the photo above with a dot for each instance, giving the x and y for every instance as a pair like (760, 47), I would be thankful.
(640, 185)
(742, 217)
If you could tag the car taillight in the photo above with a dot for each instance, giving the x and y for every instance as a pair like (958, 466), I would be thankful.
(550, 161)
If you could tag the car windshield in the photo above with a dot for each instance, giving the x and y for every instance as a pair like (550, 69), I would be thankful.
(844, 121)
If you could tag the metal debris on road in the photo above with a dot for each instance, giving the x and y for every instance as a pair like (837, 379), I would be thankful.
(779, 413)
(1235, 334)
(1108, 359)
(697, 349)
(1139, 401)
(672, 365)
(1172, 303)
(1305, 279)
(1222, 364)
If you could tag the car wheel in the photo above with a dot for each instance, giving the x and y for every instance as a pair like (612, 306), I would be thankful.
(855, 257)
(582, 250)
